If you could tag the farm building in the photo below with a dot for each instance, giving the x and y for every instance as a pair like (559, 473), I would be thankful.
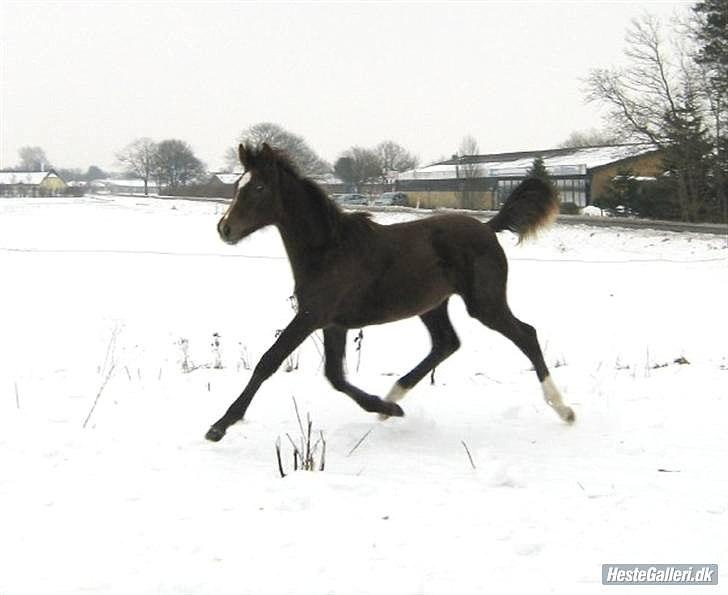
(331, 184)
(581, 174)
(31, 183)
(126, 186)
(223, 184)
(217, 185)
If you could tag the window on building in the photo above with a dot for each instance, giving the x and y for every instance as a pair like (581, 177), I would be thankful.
(572, 190)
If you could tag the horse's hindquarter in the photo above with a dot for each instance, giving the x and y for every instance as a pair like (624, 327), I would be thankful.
(410, 268)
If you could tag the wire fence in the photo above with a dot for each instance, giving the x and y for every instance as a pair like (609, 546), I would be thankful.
(102, 251)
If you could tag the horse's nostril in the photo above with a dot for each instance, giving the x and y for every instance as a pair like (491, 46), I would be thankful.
(225, 230)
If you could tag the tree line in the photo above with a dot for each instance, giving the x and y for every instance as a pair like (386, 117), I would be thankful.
(170, 163)
(173, 165)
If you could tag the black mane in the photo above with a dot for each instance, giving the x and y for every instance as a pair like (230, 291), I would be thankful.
(337, 223)
(322, 219)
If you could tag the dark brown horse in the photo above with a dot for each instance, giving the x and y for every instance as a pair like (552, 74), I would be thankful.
(350, 272)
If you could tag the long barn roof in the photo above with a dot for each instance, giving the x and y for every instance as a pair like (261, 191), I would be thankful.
(571, 161)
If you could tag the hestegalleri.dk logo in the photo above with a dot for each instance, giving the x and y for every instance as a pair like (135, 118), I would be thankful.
(659, 574)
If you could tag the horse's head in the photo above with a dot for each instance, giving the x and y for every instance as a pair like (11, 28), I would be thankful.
(256, 203)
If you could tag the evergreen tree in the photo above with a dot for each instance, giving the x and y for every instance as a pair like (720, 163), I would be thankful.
(687, 161)
(622, 190)
(94, 172)
(358, 165)
(344, 169)
(538, 170)
(710, 31)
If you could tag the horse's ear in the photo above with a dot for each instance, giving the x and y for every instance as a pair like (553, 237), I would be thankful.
(243, 155)
(266, 151)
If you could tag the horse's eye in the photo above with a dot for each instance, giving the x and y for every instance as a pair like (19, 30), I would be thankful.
(259, 188)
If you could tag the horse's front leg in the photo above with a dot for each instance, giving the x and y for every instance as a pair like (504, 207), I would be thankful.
(293, 335)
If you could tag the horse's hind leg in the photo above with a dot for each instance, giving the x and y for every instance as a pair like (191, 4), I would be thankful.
(488, 304)
(445, 342)
(334, 350)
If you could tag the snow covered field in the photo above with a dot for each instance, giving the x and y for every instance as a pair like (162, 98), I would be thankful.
(116, 301)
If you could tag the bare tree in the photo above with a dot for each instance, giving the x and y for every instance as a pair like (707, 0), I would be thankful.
(468, 169)
(640, 95)
(305, 158)
(139, 159)
(357, 165)
(656, 98)
(394, 158)
(589, 138)
(32, 159)
(175, 164)
(468, 149)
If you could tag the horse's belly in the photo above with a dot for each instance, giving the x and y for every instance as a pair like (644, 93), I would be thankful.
(386, 302)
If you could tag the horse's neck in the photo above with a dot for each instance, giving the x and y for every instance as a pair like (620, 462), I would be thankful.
(296, 251)
(301, 242)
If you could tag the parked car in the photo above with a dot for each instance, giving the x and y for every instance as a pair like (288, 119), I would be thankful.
(593, 211)
(622, 211)
(392, 198)
(351, 199)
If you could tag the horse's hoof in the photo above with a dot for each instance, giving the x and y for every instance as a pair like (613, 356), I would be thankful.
(214, 434)
(568, 416)
(390, 409)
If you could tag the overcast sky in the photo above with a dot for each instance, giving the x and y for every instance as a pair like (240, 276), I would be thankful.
(84, 79)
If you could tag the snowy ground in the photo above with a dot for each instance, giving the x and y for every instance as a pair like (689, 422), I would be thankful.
(111, 297)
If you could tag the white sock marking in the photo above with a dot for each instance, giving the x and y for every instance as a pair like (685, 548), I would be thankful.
(553, 397)
(396, 393)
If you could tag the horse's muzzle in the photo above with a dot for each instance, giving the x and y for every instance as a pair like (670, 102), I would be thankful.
(223, 228)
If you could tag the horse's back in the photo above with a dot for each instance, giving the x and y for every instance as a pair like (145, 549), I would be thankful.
(456, 238)
(453, 246)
